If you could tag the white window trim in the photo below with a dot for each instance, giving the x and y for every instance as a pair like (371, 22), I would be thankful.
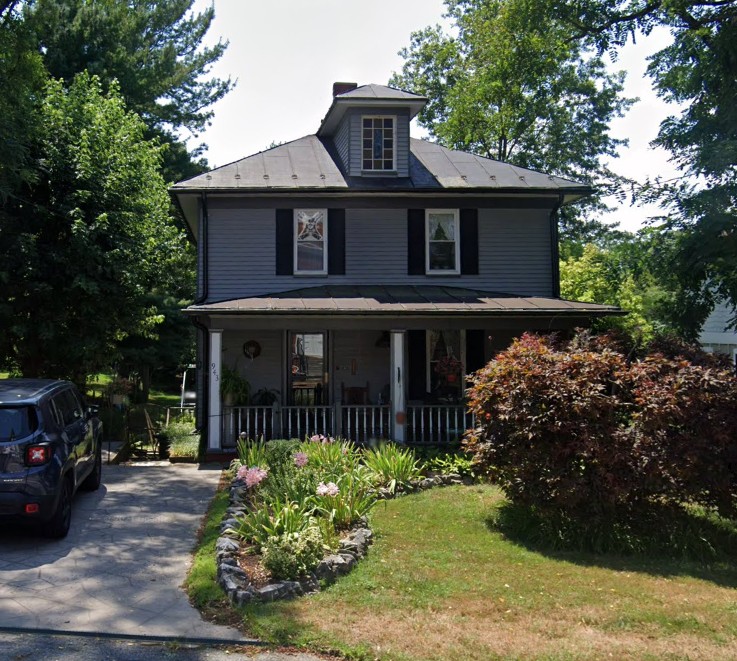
(324, 270)
(457, 224)
(394, 150)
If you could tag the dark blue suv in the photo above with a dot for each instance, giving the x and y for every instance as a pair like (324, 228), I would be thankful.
(50, 445)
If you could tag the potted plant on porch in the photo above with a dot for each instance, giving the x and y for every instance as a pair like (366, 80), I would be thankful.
(234, 388)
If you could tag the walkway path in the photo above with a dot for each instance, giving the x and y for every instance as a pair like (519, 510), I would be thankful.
(120, 569)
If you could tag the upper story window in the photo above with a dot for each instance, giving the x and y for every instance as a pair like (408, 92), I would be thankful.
(310, 241)
(442, 253)
(379, 144)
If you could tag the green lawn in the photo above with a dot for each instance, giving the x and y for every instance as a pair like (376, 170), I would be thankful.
(438, 583)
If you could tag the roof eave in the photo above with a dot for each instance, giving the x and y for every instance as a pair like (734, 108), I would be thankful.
(339, 106)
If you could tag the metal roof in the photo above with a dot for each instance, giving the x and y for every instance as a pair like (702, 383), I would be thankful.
(401, 300)
(307, 164)
(382, 92)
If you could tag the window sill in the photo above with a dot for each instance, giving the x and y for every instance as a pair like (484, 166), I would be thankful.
(436, 274)
(379, 173)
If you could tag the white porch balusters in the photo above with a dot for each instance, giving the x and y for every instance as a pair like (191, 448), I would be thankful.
(214, 442)
(398, 409)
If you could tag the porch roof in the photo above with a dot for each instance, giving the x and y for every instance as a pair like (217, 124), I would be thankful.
(401, 300)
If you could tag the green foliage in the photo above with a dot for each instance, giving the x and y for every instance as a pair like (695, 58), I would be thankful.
(446, 463)
(292, 555)
(22, 78)
(391, 466)
(331, 460)
(251, 452)
(695, 71)
(625, 273)
(180, 438)
(280, 517)
(234, 385)
(354, 500)
(578, 430)
(153, 50)
(280, 454)
(99, 234)
(515, 86)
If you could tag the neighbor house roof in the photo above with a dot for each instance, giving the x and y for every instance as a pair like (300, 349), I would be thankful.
(307, 164)
(401, 300)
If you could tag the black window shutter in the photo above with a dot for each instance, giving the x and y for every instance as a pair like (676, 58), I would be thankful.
(416, 364)
(285, 242)
(336, 241)
(469, 241)
(475, 352)
(416, 242)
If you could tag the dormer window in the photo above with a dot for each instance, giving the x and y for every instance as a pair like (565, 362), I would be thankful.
(379, 152)
(310, 241)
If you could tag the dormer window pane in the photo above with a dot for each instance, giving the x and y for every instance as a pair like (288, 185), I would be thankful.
(378, 143)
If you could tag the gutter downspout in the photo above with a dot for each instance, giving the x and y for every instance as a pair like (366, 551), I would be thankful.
(555, 247)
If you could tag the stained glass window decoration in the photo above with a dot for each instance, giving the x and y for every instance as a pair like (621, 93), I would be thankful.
(310, 245)
(442, 250)
(378, 143)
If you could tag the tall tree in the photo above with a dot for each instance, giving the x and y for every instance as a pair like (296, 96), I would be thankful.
(93, 235)
(155, 52)
(22, 77)
(697, 71)
(514, 85)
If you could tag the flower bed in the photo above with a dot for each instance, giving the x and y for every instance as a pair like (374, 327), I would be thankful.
(298, 513)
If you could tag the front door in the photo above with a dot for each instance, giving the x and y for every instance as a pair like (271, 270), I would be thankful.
(308, 369)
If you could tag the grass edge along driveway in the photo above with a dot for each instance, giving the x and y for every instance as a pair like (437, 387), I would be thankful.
(440, 583)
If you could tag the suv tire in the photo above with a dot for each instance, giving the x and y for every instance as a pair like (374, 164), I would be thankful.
(92, 481)
(58, 525)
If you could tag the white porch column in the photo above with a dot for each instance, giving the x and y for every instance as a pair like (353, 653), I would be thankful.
(214, 424)
(397, 380)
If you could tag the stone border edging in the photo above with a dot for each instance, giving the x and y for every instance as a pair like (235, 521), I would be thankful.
(353, 546)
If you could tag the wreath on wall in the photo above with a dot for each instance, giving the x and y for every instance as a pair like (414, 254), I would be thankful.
(251, 349)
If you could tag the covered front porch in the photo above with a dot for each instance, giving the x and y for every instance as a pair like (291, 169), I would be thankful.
(360, 367)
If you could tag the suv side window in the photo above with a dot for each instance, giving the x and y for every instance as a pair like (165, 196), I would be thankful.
(69, 407)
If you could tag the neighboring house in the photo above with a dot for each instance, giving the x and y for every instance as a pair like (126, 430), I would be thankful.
(716, 334)
(362, 273)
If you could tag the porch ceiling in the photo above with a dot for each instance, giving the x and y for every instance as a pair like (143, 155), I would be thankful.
(401, 300)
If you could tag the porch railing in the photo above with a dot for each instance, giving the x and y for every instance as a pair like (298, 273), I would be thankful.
(427, 424)
(301, 421)
(253, 421)
(364, 423)
(437, 424)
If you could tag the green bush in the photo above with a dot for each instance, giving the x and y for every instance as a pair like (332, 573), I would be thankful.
(445, 463)
(291, 555)
(581, 430)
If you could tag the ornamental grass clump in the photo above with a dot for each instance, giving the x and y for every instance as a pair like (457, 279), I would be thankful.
(392, 467)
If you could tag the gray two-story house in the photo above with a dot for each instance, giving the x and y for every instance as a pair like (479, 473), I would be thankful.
(355, 276)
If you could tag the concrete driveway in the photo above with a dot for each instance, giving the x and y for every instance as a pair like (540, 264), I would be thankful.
(120, 569)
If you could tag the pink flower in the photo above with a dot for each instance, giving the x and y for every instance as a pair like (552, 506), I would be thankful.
(252, 476)
(329, 489)
(300, 459)
(316, 438)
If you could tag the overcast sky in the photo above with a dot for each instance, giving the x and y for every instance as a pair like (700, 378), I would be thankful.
(286, 54)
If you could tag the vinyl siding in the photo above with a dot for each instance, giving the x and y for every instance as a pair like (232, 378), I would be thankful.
(342, 141)
(514, 253)
(264, 371)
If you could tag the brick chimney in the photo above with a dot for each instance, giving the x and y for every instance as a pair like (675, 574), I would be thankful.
(342, 88)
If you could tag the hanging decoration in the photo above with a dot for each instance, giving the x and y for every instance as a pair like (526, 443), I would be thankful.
(251, 349)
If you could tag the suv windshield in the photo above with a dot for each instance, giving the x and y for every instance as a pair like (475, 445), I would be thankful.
(17, 422)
